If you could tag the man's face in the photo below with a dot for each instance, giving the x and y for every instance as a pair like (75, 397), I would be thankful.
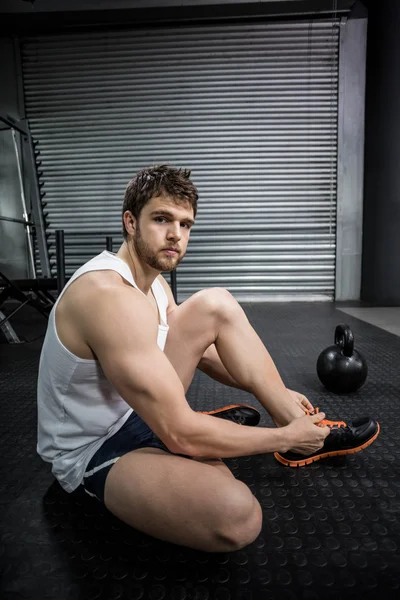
(162, 233)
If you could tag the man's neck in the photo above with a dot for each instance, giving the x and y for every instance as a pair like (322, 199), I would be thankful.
(142, 274)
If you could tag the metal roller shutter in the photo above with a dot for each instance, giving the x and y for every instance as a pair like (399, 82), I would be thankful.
(250, 108)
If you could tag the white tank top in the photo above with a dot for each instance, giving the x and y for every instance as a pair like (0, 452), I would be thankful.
(78, 408)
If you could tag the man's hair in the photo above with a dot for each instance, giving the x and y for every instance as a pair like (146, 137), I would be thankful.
(157, 181)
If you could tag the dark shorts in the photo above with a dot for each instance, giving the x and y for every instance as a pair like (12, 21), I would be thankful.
(134, 434)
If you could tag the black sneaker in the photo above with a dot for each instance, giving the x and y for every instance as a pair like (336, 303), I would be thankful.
(242, 414)
(344, 438)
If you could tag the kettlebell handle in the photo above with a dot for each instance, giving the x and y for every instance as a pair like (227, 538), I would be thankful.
(345, 339)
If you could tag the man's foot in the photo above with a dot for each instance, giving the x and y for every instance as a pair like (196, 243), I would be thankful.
(344, 438)
(242, 414)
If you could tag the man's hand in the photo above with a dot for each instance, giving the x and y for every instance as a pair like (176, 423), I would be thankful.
(305, 435)
(302, 401)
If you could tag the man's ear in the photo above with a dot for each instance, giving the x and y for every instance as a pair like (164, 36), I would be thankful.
(129, 222)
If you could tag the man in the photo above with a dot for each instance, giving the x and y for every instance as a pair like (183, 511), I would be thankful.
(117, 360)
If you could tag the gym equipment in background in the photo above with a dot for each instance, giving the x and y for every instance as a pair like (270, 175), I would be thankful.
(40, 292)
(32, 215)
(340, 368)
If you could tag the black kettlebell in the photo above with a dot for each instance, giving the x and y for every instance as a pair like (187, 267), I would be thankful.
(341, 368)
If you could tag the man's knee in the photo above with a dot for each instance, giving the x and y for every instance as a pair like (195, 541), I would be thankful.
(218, 302)
(241, 521)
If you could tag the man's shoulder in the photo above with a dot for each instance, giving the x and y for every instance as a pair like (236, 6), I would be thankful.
(94, 301)
(100, 279)
(94, 287)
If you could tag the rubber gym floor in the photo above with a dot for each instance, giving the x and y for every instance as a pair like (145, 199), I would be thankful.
(331, 530)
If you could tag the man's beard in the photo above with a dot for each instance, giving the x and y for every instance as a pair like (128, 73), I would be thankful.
(143, 251)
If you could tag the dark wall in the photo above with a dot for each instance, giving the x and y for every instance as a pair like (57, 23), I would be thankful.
(381, 235)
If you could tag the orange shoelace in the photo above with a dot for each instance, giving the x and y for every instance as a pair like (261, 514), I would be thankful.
(328, 423)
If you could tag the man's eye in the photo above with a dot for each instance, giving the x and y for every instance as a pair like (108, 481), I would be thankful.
(159, 219)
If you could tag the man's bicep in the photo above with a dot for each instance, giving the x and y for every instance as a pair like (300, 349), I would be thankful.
(147, 381)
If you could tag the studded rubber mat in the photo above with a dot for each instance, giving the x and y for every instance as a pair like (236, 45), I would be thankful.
(331, 530)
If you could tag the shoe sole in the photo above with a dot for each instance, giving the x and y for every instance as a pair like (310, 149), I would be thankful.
(252, 419)
(308, 461)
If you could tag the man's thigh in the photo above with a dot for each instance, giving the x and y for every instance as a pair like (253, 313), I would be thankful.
(179, 500)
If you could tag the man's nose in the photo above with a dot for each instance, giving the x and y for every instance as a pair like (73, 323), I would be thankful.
(174, 231)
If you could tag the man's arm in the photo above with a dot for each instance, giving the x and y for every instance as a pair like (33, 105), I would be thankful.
(121, 328)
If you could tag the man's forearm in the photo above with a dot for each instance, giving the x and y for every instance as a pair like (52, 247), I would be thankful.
(208, 437)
